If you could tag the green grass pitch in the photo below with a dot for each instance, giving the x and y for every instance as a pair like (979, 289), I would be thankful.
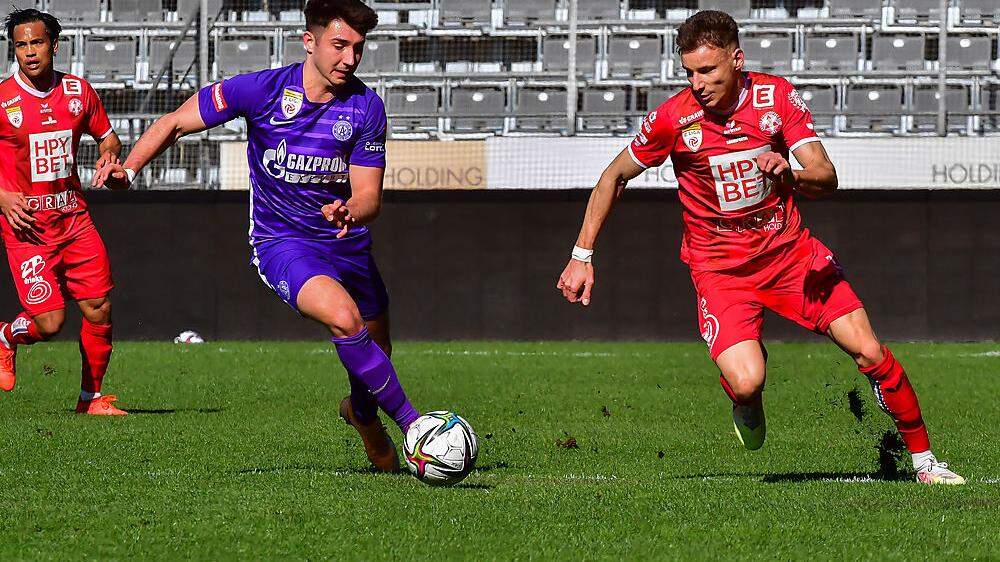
(234, 451)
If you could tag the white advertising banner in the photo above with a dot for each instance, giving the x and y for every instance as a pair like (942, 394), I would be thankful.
(862, 163)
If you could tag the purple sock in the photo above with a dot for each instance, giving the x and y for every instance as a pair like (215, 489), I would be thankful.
(362, 402)
(367, 363)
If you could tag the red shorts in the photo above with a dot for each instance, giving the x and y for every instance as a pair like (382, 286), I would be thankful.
(804, 284)
(78, 267)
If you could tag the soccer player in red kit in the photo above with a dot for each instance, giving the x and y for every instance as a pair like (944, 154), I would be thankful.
(729, 136)
(52, 245)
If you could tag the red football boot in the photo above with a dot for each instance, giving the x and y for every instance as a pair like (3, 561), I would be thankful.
(100, 406)
(379, 447)
(8, 358)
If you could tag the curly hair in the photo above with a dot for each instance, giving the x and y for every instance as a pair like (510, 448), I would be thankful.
(20, 17)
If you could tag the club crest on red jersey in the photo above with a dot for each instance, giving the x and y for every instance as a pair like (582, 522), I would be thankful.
(291, 103)
(15, 116)
(691, 135)
(75, 106)
(770, 123)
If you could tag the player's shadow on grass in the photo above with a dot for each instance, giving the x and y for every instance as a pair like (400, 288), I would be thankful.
(162, 411)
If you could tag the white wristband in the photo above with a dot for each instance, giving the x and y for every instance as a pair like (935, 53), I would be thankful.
(130, 174)
(582, 254)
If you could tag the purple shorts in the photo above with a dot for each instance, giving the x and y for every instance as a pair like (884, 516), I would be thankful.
(286, 265)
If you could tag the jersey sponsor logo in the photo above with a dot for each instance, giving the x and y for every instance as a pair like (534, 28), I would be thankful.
(709, 324)
(72, 87)
(51, 155)
(49, 120)
(689, 118)
(75, 106)
(293, 167)
(737, 140)
(31, 274)
(763, 95)
(218, 100)
(691, 135)
(738, 181)
(44, 108)
(64, 200)
(770, 219)
(796, 100)
(374, 147)
(11, 101)
(279, 122)
(15, 116)
(342, 130)
(291, 103)
(732, 128)
(770, 123)
(640, 139)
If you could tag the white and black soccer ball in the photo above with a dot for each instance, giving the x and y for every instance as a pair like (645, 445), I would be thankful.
(441, 448)
(189, 336)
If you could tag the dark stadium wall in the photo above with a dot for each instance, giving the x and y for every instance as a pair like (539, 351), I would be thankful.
(483, 265)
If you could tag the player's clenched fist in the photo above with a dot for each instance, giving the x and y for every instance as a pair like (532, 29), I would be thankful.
(576, 281)
(340, 215)
(775, 167)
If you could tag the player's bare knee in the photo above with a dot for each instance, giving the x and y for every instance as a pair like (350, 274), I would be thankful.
(344, 323)
(48, 325)
(870, 354)
(97, 311)
(747, 388)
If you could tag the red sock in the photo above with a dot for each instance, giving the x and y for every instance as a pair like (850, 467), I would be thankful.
(22, 331)
(95, 348)
(896, 397)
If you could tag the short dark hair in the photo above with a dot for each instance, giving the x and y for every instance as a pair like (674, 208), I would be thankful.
(708, 27)
(319, 13)
(20, 17)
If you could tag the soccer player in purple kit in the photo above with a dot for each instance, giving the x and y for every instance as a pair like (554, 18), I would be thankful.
(316, 152)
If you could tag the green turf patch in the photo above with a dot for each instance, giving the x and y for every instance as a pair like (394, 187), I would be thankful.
(613, 451)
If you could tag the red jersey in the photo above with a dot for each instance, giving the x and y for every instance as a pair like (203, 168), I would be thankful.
(39, 138)
(731, 213)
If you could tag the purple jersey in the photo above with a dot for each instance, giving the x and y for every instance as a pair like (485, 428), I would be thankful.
(299, 151)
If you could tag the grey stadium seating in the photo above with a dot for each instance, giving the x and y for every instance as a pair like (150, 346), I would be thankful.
(182, 64)
(555, 53)
(739, 9)
(465, 11)
(875, 108)
(867, 9)
(136, 10)
(917, 10)
(822, 103)
(832, 53)
(659, 94)
(294, 51)
(380, 56)
(979, 10)
(239, 56)
(76, 10)
(898, 52)
(64, 56)
(185, 7)
(768, 53)
(523, 11)
(477, 109)
(969, 53)
(108, 59)
(630, 56)
(926, 100)
(549, 102)
(598, 10)
(612, 101)
(418, 108)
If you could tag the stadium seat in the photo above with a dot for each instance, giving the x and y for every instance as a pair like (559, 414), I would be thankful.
(589, 10)
(107, 59)
(555, 55)
(525, 11)
(739, 9)
(544, 108)
(768, 53)
(969, 53)
(293, 50)
(979, 10)
(925, 100)
(186, 7)
(867, 9)
(875, 108)
(611, 101)
(989, 101)
(634, 55)
(417, 109)
(64, 56)
(659, 94)
(380, 56)
(917, 10)
(291, 7)
(76, 10)
(835, 52)
(239, 56)
(136, 10)
(465, 12)
(183, 63)
(477, 109)
(898, 52)
(822, 103)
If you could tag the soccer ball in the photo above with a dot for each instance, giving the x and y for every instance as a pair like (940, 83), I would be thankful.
(441, 448)
(189, 336)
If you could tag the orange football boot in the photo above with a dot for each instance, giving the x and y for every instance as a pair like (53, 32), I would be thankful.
(8, 375)
(379, 447)
(100, 406)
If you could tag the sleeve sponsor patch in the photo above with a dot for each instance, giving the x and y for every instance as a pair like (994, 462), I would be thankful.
(763, 95)
(218, 99)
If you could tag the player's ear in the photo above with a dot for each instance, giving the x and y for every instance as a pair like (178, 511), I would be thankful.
(309, 41)
(738, 58)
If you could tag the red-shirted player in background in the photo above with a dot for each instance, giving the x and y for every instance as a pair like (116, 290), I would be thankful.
(52, 244)
(729, 136)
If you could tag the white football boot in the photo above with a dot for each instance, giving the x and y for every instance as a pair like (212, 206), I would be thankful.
(749, 423)
(936, 472)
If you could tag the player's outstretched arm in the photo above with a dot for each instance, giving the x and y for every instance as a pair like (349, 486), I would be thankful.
(185, 120)
(365, 202)
(577, 278)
